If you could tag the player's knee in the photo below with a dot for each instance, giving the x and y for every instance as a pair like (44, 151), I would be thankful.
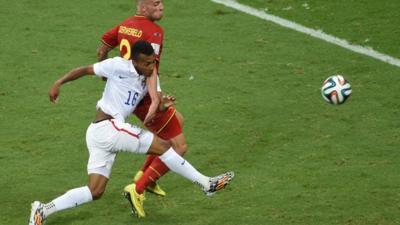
(96, 193)
(165, 145)
(159, 146)
(181, 149)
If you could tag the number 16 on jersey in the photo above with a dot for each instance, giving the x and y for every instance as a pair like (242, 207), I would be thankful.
(132, 98)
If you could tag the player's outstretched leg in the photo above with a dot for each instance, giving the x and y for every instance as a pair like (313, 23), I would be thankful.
(182, 167)
(70, 199)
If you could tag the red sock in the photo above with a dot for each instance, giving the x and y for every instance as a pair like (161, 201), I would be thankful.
(156, 170)
(147, 163)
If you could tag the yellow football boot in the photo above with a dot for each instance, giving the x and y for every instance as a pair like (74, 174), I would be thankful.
(135, 200)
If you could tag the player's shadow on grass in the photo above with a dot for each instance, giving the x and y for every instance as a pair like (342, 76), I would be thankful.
(71, 218)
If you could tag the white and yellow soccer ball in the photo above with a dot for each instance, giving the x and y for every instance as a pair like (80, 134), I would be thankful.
(336, 90)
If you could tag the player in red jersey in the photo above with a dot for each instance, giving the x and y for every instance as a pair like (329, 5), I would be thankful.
(166, 124)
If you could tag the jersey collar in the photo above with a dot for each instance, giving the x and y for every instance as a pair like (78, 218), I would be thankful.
(140, 17)
(133, 70)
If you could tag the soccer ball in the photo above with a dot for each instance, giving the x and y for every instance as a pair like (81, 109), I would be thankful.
(336, 90)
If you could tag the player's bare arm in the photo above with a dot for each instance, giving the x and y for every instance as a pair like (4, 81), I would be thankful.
(102, 51)
(70, 76)
(151, 83)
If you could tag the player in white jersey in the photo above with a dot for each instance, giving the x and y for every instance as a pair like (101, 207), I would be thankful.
(109, 134)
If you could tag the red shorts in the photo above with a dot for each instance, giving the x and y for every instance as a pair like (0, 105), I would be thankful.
(165, 124)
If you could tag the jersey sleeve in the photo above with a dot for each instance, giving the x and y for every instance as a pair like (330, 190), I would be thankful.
(105, 68)
(156, 39)
(110, 38)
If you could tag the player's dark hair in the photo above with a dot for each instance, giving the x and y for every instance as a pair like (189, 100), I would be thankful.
(141, 47)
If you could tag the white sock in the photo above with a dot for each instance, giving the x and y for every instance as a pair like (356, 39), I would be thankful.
(71, 198)
(182, 167)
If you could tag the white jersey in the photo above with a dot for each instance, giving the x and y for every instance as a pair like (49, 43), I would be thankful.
(124, 89)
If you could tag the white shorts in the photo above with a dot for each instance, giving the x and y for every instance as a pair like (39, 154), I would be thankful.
(106, 138)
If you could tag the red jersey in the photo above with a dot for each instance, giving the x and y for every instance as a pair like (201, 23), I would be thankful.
(133, 29)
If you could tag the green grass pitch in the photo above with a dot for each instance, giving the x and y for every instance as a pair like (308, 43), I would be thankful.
(249, 92)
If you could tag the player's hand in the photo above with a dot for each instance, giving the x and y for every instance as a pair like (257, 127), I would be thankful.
(54, 92)
(166, 102)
